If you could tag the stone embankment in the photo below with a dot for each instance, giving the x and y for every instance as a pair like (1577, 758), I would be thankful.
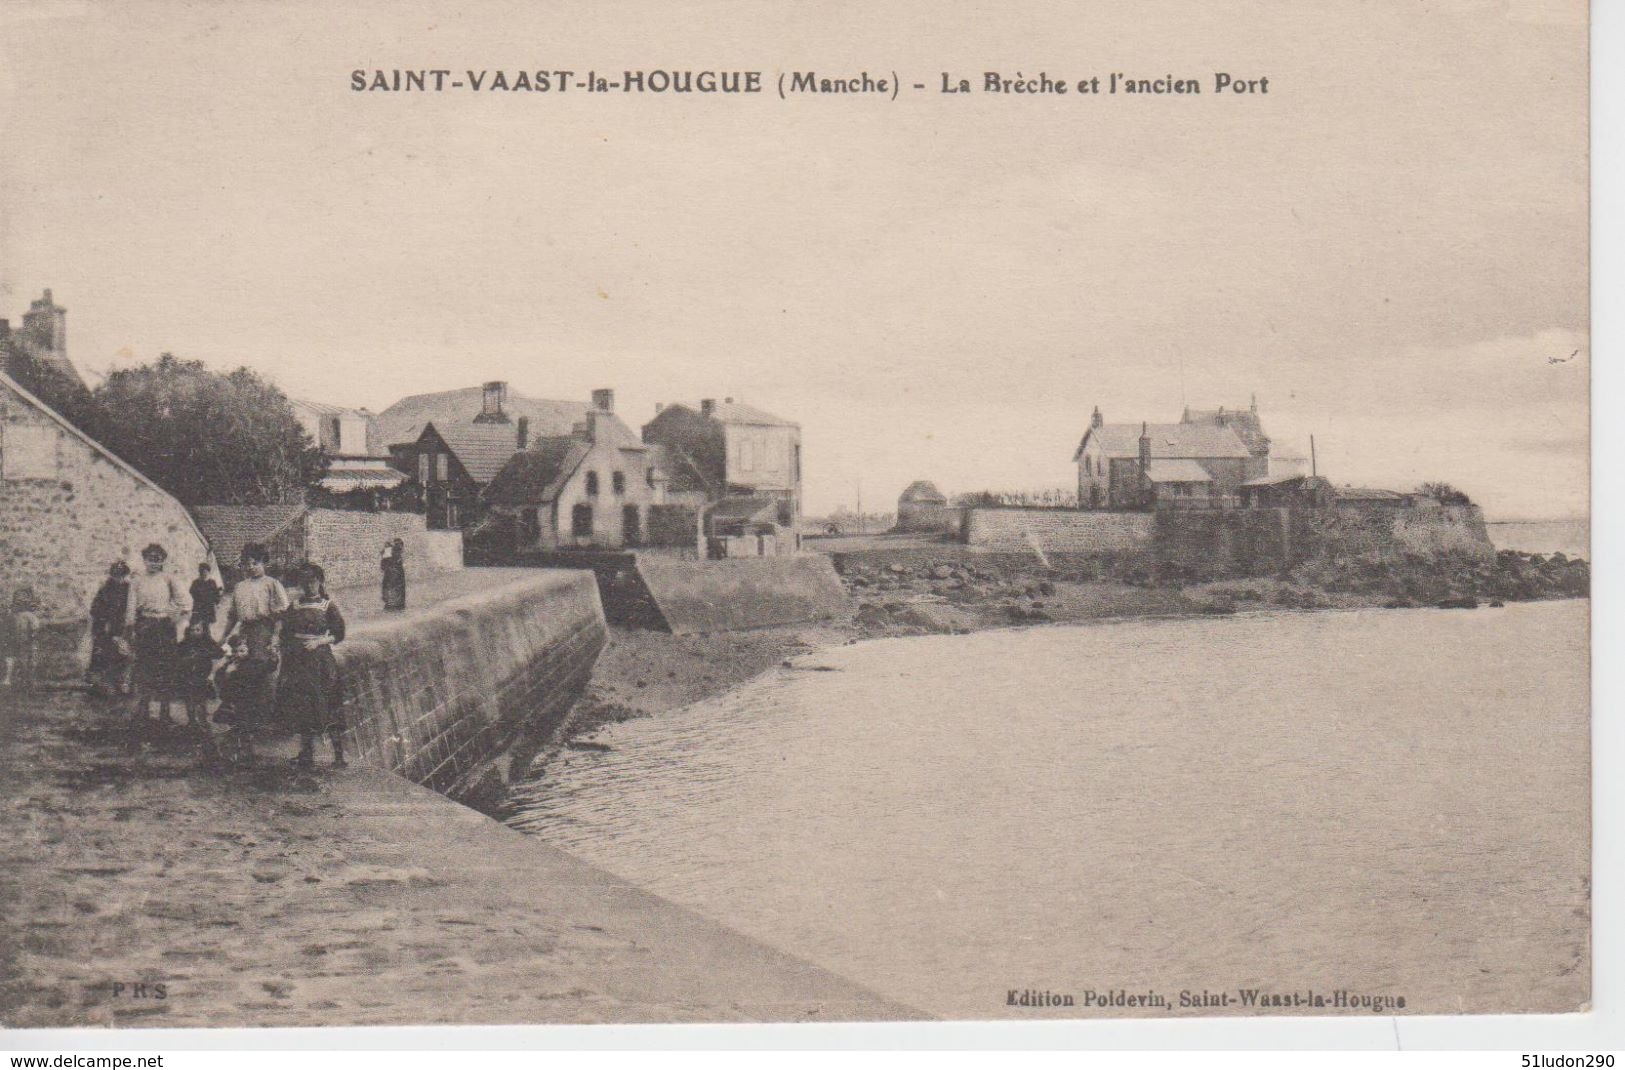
(143, 889)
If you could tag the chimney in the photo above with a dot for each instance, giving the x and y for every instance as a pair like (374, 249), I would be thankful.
(494, 395)
(660, 406)
(1097, 421)
(729, 401)
(1255, 404)
(708, 407)
(603, 399)
(45, 325)
(522, 434)
(1145, 459)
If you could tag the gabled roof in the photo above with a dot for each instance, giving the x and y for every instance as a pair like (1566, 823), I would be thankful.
(1168, 441)
(228, 527)
(482, 449)
(1177, 472)
(683, 474)
(539, 473)
(737, 412)
(404, 420)
(118, 462)
(923, 491)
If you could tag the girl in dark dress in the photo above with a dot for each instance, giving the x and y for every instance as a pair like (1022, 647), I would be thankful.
(394, 566)
(109, 651)
(308, 696)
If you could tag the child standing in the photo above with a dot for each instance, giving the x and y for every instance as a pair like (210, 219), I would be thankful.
(308, 694)
(195, 663)
(18, 628)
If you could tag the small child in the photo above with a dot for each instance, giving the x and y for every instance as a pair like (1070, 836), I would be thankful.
(194, 672)
(225, 686)
(18, 628)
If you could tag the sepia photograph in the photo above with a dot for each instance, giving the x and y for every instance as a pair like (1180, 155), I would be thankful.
(540, 514)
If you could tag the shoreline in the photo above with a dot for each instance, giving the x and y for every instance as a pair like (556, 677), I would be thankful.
(646, 673)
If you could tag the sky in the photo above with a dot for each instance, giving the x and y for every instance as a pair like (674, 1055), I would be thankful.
(1389, 249)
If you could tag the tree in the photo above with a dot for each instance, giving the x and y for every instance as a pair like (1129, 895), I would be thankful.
(207, 438)
(1445, 493)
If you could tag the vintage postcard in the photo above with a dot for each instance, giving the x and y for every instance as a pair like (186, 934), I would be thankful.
(624, 512)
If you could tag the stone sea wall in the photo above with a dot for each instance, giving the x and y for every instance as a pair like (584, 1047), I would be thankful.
(1206, 544)
(440, 694)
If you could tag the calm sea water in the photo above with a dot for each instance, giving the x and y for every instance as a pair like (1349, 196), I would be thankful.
(1572, 537)
(1383, 802)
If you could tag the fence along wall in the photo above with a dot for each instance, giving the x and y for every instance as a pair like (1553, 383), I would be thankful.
(439, 695)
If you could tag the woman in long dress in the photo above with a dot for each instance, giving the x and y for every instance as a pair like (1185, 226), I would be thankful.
(394, 568)
(308, 695)
(152, 615)
(109, 654)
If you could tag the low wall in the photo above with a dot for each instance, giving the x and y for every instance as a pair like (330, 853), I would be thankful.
(348, 544)
(750, 592)
(439, 694)
(1062, 531)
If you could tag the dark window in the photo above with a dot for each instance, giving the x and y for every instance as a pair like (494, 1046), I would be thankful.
(649, 477)
(592, 484)
(631, 525)
(618, 481)
(581, 521)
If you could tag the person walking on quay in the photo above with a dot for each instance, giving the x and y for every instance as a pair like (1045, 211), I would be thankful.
(19, 626)
(253, 609)
(394, 567)
(109, 646)
(152, 617)
(206, 594)
(308, 697)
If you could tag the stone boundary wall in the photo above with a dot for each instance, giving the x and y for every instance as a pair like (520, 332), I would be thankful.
(1070, 532)
(439, 695)
(347, 545)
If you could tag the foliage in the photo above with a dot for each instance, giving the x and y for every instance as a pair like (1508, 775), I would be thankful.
(207, 438)
(1445, 493)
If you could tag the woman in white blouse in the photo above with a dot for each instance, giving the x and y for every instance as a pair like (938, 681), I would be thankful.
(157, 607)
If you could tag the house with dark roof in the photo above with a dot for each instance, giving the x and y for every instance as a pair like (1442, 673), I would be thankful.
(493, 402)
(1200, 462)
(728, 449)
(589, 489)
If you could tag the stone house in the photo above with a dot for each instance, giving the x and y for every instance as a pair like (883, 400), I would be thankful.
(356, 466)
(590, 489)
(69, 508)
(730, 449)
(1200, 462)
(454, 450)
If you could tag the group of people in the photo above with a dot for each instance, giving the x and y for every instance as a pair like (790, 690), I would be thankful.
(266, 655)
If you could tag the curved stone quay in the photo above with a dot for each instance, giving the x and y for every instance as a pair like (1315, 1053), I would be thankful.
(142, 889)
